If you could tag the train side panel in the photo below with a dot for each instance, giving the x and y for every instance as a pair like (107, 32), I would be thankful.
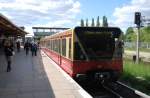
(54, 56)
(64, 63)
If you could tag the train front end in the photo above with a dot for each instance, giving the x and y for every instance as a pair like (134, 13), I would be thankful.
(98, 53)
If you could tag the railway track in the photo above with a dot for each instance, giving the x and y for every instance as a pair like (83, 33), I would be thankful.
(96, 90)
(123, 91)
(111, 90)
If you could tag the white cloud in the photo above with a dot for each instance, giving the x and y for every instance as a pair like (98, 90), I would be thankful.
(125, 14)
(75, 8)
(43, 12)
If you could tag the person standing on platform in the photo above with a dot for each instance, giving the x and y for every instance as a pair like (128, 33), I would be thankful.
(34, 49)
(18, 46)
(9, 51)
(26, 47)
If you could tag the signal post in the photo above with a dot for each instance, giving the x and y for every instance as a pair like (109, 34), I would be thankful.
(137, 21)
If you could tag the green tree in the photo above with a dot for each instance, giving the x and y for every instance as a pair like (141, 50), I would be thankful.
(98, 23)
(130, 35)
(87, 24)
(129, 31)
(93, 24)
(82, 23)
(105, 23)
(145, 34)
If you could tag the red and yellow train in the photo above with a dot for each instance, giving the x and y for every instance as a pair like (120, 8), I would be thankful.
(93, 52)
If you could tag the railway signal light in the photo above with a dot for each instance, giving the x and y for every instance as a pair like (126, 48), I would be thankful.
(137, 20)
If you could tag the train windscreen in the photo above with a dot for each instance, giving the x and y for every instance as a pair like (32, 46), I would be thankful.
(95, 44)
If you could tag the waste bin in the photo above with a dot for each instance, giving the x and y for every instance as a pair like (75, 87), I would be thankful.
(134, 58)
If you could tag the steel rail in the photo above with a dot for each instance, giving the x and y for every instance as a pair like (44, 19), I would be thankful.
(123, 91)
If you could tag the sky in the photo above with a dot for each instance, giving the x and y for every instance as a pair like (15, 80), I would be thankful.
(68, 13)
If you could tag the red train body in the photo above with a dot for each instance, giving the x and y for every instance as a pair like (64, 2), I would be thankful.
(91, 52)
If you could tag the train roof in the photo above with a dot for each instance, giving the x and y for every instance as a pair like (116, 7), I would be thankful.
(56, 34)
(98, 28)
(76, 29)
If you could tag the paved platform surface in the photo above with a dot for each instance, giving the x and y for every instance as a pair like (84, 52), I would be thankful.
(34, 77)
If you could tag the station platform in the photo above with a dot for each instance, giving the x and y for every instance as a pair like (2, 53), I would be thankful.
(36, 77)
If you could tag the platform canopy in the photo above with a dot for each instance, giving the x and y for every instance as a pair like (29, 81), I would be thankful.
(9, 28)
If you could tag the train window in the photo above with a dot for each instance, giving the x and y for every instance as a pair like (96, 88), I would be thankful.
(78, 55)
(49, 44)
(55, 45)
(64, 47)
(70, 48)
(96, 45)
(59, 46)
(67, 47)
(45, 44)
(52, 44)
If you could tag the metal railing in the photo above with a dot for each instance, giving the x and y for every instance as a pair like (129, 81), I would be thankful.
(133, 45)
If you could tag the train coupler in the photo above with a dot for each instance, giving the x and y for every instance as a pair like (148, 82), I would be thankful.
(102, 76)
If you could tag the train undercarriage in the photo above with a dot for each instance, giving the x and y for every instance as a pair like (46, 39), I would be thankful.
(99, 76)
